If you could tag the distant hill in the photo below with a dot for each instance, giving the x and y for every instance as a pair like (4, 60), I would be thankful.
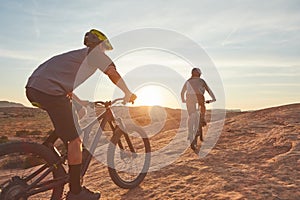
(10, 104)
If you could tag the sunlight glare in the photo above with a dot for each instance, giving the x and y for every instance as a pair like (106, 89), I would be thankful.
(150, 95)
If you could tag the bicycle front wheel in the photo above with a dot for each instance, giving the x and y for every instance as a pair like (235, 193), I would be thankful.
(128, 158)
(28, 171)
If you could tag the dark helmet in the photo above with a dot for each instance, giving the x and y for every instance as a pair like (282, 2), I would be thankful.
(95, 37)
(196, 72)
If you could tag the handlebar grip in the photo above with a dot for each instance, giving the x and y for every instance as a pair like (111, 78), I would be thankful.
(99, 102)
(209, 101)
(106, 103)
(132, 98)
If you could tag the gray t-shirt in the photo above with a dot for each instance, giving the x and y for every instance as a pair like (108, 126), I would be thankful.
(61, 74)
(195, 85)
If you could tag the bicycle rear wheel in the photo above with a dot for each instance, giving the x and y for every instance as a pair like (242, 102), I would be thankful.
(21, 164)
(193, 125)
(128, 158)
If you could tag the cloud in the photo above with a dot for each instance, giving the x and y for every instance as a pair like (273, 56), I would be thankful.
(19, 55)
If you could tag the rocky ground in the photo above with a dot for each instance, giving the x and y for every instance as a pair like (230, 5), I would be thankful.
(257, 156)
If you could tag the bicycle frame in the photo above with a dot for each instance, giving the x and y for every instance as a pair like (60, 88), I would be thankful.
(199, 125)
(105, 117)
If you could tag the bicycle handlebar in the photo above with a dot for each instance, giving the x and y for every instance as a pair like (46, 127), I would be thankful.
(124, 101)
(110, 103)
(209, 101)
(117, 100)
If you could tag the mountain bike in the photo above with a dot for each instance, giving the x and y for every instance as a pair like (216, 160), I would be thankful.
(195, 128)
(31, 170)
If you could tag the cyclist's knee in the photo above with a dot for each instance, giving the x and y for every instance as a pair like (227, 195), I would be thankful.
(76, 142)
(74, 151)
(75, 146)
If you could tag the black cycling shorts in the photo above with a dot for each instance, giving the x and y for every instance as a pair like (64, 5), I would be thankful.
(59, 108)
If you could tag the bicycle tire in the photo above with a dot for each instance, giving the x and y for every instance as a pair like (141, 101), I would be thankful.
(114, 156)
(200, 134)
(42, 152)
(193, 125)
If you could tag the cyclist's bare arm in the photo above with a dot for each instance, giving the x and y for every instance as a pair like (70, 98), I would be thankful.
(183, 90)
(115, 77)
(210, 92)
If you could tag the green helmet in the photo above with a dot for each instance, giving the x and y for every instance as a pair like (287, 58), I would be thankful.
(95, 37)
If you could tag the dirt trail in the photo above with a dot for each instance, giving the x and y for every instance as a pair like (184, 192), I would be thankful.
(256, 157)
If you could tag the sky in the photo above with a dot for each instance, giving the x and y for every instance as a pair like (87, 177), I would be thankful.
(250, 54)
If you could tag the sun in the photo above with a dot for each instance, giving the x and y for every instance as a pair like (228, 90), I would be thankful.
(149, 95)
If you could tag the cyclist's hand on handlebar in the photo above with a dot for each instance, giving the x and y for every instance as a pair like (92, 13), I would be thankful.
(210, 101)
(130, 98)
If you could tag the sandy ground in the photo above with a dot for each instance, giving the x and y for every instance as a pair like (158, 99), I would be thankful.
(257, 156)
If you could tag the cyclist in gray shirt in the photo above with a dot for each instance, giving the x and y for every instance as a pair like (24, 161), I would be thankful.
(51, 85)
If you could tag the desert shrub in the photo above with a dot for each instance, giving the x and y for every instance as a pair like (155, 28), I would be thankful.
(35, 132)
(21, 162)
(3, 139)
(22, 133)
